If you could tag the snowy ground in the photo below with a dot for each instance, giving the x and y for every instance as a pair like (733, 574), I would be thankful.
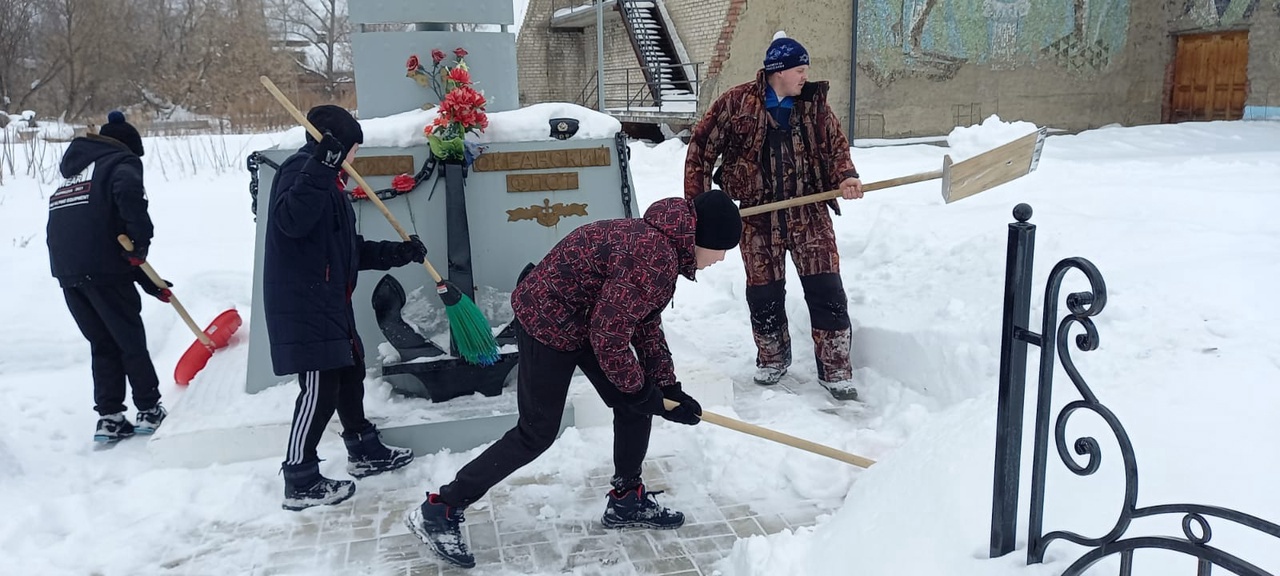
(1178, 219)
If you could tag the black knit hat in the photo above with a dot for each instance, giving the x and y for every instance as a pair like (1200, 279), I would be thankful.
(117, 129)
(718, 226)
(338, 122)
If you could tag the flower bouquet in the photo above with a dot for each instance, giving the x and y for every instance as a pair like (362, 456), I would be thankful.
(461, 110)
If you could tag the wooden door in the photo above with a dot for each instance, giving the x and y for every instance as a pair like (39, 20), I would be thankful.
(1210, 76)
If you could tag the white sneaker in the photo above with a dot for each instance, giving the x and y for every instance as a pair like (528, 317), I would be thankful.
(768, 376)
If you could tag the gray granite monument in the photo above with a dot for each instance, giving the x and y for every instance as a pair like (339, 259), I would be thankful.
(482, 222)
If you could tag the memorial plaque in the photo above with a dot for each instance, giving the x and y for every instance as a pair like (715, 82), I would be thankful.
(542, 182)
(542, 159)
(384, 165)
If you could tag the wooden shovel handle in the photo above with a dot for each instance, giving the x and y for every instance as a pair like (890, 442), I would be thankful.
(833, 194)
(160, 283)
(368, 190)
(779, 437)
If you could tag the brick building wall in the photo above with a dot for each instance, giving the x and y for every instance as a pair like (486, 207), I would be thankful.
(700, 24)
(923, 70)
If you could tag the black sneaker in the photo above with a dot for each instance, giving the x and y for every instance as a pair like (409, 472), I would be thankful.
(439, 526)
(113, 428)
(149, 420)
(637, 508)
(367, 455)
(304, 487)
(324, 492)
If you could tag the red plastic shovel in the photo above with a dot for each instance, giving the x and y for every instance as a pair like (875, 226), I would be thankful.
(215, 336)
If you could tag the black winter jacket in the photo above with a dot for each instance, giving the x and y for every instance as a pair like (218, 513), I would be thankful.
(311, 260)
(100, 198)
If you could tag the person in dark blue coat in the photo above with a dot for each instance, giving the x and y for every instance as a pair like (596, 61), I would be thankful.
(312, 256)
(101, 197)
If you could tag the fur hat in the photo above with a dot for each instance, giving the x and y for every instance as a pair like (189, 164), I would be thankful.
(338, 122)
(117, 129)
(717, 224)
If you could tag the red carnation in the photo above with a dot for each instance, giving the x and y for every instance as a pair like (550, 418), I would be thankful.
(403, 183)
(459, 52)
(412, 64)
(437, 55)
(460, 76)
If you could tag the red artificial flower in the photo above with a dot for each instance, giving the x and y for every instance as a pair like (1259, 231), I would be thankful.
(403, 183)
(437, 55)
(459, 52)
(412, 64)
(460, 76)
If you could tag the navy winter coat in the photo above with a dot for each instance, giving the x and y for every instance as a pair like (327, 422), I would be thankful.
(101, 197)
(311, 260)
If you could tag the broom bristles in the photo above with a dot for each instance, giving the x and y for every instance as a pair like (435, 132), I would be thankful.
(472, 333)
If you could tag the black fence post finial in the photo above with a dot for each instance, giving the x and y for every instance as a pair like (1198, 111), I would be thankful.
(1013, 379)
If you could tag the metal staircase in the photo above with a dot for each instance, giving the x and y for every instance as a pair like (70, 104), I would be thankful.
(651, 35)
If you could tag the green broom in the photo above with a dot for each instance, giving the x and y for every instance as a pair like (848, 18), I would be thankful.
(470, 329)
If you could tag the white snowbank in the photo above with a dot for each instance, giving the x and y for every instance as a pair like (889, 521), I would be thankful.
(528, 124)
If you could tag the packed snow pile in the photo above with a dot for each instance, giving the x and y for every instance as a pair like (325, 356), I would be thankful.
(528, 124)
(967, 141)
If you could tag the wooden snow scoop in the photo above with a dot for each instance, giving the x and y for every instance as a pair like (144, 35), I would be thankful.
(767, 434)
(961, 180)
(215, 336)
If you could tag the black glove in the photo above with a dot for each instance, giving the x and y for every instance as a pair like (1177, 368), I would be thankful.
(688, 412)
(648, 401)
(329, 151)
(413, 250)
(137, 256)
(161, 294)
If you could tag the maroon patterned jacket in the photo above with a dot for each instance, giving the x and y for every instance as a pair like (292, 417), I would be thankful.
(605, 285)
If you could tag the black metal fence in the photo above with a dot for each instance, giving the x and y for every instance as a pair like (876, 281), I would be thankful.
(1055, 341)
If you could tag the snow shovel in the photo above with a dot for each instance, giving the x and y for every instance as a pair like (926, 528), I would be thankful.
(779, 437)
(961, 180)
(215, 336)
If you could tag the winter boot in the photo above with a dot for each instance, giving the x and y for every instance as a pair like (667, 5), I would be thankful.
(113, 428)
(304, 487)
(769, 375)
(439, 526)
(842, 390)
(637, 508)
(367, 455)
(149, 420)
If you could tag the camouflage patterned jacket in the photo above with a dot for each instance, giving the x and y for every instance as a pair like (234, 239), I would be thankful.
(735, 126)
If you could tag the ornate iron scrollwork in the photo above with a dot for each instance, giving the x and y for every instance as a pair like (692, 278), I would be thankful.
(1082, 307)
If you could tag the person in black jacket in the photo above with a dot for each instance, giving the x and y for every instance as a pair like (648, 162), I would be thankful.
(101, 197)
(311, 260)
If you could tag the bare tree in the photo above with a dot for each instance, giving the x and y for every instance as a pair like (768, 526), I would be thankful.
(89, 41)
(17, 59)
(318, 33)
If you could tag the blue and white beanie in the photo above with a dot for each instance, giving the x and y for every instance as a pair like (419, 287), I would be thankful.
(784, 53)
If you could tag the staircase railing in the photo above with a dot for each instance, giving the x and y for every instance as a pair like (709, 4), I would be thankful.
(654, 47)
(630, 89)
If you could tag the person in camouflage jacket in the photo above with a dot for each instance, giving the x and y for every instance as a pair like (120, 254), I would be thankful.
(779, 139)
